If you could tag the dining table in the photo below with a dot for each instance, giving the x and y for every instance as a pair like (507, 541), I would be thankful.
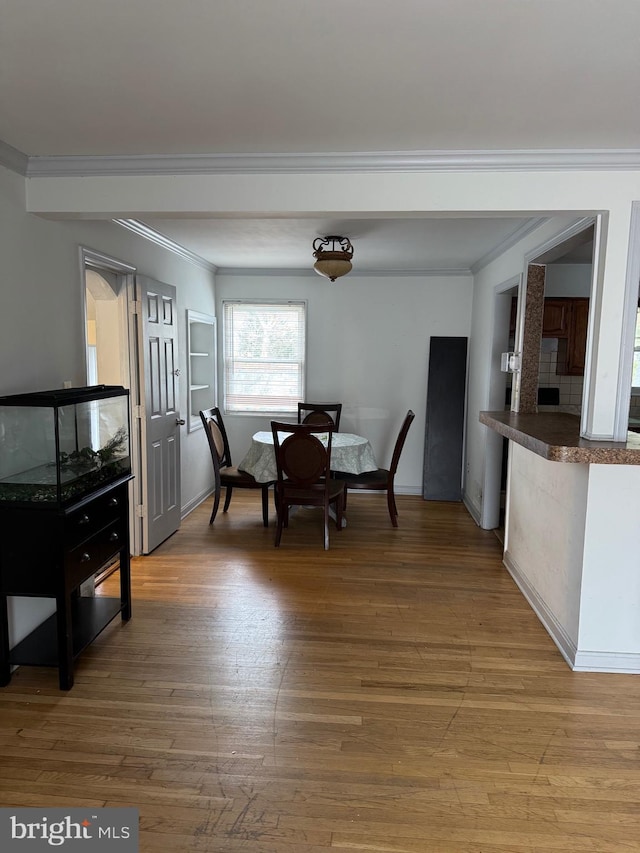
(350, 453)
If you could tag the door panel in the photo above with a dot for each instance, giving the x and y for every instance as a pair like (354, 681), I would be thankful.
(161, 415)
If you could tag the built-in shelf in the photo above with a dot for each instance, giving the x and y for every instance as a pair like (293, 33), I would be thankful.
(202, 365)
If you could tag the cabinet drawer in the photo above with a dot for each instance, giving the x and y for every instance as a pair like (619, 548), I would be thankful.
(89, 556)
(85, 522)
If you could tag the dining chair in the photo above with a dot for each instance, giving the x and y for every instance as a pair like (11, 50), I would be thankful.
(304, 463)
(320, 413)
(226, 474)
(383, 478)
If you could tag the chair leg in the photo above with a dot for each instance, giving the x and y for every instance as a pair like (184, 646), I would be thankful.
(216, 503)
(326, 527)
(340, 506)
(227, 498)
(265, 505)
(393, 511)
(279, 522)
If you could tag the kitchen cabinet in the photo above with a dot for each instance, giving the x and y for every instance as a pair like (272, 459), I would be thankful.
(556, 318)
(577, 339)
(566, 319)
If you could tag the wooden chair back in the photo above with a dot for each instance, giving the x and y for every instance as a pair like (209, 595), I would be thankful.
(301, 457)
(400, 440)
(216, 436)
(303, 463)
(320, 413)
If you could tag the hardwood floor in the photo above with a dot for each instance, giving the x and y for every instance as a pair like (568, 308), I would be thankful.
(395, 693)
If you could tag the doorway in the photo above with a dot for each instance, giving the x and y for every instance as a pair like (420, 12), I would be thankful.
(505, 325)
(573, 247)
(111, 351)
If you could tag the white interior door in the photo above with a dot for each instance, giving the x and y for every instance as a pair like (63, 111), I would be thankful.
(161, 417)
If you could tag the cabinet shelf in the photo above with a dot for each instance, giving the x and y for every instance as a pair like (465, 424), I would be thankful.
(89, 617)
(50, 553)
(201, 364)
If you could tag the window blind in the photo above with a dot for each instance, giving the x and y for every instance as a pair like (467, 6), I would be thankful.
(264, 356)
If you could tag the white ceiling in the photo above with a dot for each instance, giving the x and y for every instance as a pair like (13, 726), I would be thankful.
(380, 244)
(134, 77)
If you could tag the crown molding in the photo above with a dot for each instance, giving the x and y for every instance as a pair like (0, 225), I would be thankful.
(13, 159)
(310, 273)
(520, 233)
(384, 161)
(159, 239)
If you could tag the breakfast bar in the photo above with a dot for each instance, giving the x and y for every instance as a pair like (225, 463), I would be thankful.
(572, 537)
(556, 436)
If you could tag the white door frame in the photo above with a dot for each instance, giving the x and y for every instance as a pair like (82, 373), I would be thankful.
(90, 259)
(491, 476)
(490, 509)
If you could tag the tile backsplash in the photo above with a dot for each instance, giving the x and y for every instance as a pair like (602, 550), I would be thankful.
(570, 386)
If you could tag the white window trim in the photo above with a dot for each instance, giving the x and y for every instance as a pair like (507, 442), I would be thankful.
(280, 412)
(635, 389)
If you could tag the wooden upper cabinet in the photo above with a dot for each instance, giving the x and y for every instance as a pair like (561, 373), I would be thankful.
(577, 340)
(566, 319)
(556, 318)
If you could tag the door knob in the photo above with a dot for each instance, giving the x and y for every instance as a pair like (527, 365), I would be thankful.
(180, 421)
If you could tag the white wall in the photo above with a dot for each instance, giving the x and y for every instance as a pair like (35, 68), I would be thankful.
(41, 334)
(547, 503)
(610, 605)
(569, 280)
(367, 346)
(571, 544)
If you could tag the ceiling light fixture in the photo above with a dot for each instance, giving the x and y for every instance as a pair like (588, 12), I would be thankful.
(332, 262)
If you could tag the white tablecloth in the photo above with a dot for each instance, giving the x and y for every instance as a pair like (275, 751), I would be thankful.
(350, 453)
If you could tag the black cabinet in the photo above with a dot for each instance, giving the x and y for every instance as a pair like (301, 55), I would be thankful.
(49, 551)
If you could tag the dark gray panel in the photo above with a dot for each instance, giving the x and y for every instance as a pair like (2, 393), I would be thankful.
(444, 433)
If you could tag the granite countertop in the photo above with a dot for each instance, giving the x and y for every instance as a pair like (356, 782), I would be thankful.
(556, 436)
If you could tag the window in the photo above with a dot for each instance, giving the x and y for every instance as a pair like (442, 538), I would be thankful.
(264, 356)
(635, 382)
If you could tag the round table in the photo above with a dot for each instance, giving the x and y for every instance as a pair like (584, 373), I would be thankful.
(349, 453)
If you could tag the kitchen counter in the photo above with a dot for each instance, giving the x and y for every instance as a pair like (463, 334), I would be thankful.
(556, 436)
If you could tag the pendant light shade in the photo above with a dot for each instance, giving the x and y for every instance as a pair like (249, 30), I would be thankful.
(333, 256)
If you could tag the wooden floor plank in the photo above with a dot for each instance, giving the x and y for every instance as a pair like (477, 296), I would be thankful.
(394, 693)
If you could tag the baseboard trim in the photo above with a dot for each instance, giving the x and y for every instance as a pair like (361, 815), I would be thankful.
(472, 508)
(620, 662)
(579, 661)
(565, 644)
(194, 502)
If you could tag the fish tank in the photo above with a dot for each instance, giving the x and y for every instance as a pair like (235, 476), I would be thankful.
(58, 446)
